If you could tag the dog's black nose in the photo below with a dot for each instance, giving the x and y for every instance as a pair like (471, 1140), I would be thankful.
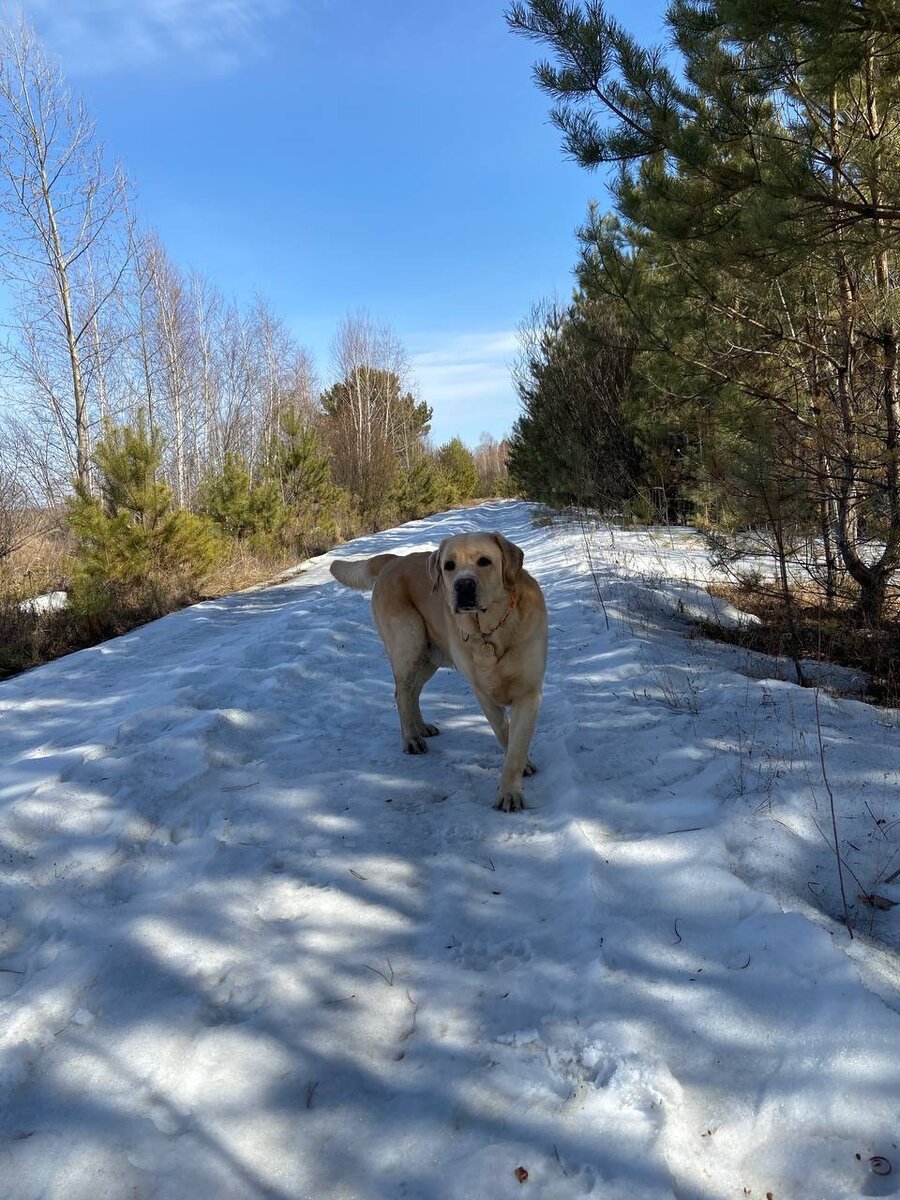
(466, 593)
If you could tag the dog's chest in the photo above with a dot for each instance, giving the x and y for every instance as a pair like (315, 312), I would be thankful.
(491, 672)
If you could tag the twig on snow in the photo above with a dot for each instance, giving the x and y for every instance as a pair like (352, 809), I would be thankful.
(834, 828)
(375, 971)
(587, 548)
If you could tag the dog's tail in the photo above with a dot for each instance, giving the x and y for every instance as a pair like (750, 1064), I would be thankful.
(360, 573)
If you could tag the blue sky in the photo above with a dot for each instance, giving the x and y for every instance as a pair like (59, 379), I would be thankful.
(393, 155)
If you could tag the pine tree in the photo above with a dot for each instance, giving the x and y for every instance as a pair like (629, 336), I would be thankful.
(422, 489)
(756, 198)
(301, 468)
(134, 550)
(375, 431)
(574, 442)
(458, 466)
(300, 463)
(239, 506)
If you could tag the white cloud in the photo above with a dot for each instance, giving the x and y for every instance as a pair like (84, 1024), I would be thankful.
(472, 347)
(107, 35)
(466, 378)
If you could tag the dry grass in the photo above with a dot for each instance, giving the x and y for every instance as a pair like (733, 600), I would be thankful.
(28, 639)
(474, 502)
(835, 634)
(244, 568)
(43, 564)
(39, 563)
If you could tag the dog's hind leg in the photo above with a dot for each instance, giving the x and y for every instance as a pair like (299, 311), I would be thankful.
(407, 689)
(406, 641)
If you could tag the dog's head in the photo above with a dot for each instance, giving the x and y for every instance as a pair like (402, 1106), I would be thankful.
(475, 570)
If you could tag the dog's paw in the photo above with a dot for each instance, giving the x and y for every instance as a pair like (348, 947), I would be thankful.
(530, 768)
(510, 801)
(415, 745)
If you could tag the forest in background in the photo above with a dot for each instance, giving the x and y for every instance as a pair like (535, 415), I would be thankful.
(730, 354)
(160, 442)
(728, 357)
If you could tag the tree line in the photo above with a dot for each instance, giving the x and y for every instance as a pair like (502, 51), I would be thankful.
(162, 420)
(734, 327)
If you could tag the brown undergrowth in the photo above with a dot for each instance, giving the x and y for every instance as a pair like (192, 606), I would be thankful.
(30, 638)
(834, 634)
(43, 563)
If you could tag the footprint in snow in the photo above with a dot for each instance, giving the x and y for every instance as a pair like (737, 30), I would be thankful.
(480, 955)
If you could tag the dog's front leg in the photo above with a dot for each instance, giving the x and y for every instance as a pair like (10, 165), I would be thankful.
(523, 716)
(495, 713)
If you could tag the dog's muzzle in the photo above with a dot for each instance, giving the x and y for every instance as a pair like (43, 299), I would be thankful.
(465, 594)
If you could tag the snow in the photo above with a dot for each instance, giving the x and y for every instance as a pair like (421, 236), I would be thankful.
(249, 949)
(49, 602)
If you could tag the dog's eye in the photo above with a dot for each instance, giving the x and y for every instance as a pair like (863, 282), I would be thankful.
(484, 562)
(449, 565)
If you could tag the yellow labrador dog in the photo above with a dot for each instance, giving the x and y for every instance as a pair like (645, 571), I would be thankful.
(470, 605)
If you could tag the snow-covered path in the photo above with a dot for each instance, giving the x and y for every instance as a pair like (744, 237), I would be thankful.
(249, 949)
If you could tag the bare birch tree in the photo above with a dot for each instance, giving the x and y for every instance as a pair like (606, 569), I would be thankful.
(174, 337)
(490, 462)
(208, 445)
(12, 506)
(62, 244)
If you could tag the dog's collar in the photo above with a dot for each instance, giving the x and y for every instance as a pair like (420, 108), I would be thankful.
(486, 644)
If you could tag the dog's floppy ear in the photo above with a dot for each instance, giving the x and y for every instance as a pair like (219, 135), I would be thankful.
(433, 567)
(513, 558)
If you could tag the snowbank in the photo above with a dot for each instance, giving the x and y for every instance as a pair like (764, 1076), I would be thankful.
(49, 602)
